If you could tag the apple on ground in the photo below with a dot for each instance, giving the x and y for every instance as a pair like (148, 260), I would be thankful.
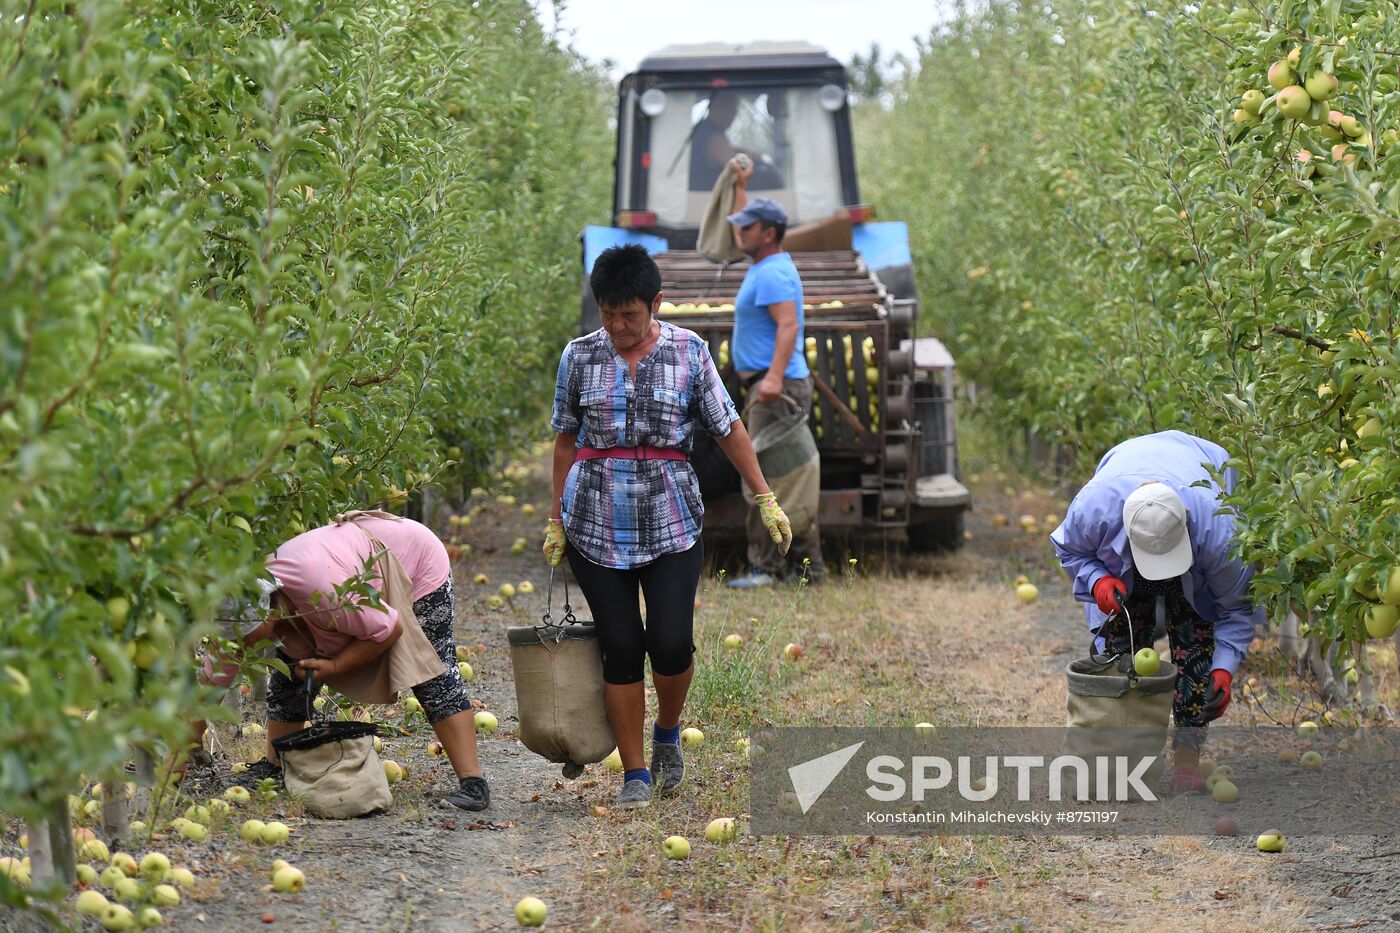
(525, 587)
(719, 830)
(90, 903)
(485, 721)
(692, 737)
(183, 877)
(154, 867)
(1307, 729)
(530, 912)
(130, 891)
(465, 670)
(1288, 756)
(733, 640)
(676, 847)
(1224, 791)
(613, 762)
(87, 875)
(126, 863)
(275, 832)
(148, 917)
(238, 794)
(288, 880)
(195, 832)
(1020, 579)
(165, 895)
(115, 917)
(1271, 841)
(924, 727)
(1311, 761)
(1226, 826)
(251, 830)
(435, 750)
(1027, 593)
(393, 771)
(792, 651)
(507, 590)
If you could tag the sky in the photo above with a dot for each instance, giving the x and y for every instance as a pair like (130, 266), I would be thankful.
(626, 32)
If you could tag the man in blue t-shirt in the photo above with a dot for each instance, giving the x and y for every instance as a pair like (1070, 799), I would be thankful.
(764, 348)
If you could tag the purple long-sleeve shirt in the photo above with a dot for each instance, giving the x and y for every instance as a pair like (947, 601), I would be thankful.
(1092, 543)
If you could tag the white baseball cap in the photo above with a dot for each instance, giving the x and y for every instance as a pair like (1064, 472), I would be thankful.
(1155, 518)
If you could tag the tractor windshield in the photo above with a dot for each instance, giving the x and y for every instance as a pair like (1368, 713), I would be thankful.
(789, 135)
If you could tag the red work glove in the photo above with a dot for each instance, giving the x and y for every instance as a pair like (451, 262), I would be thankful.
(1106, 594)
(1218, 694)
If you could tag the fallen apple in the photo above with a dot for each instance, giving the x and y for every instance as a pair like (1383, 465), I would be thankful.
(1146, 662)
(126, 863)
(1271, 841)
(130, 891)
(1027, 593)
(613, 762)
(525, 587)
(115, 917)
(485, 721)
(435, 750)
(412, 706)
(165, 895)
(1311, 761)
(465, 670)
(1224, 791)
(288, 880)
(183, 877)
(238, 794)
(676, 847)
(154, 867)
(481, 579)
(393, 771)
(720, 830)
(87, 875)
(1307, 729)
(530, 912)
(1226, 826)
(109, 877)
(733, 640)
(148, 917)
(1021, 579)
(692, 738)
(507, 591)
(1288, 756)
(90, 903)
(195, 832)
(219, 807)
(94, 850)
(926, 728)
(792, 651)
(275, 832)
(251, 830)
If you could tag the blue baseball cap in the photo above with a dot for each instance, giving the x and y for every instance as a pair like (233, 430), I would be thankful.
(764, 209)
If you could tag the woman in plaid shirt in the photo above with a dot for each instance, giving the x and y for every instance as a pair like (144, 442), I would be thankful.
(627, 510)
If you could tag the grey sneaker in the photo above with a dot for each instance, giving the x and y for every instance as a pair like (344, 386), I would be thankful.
(751, 581)
(473, 794)
(667, 767)
(635, 793)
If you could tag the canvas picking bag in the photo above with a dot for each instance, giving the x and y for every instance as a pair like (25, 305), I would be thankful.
(558, 672)
(333, 766)
(1115, 712)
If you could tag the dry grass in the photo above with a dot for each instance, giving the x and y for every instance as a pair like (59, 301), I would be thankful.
(889, 643)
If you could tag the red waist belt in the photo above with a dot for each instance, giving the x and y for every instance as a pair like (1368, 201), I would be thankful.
(629, 453)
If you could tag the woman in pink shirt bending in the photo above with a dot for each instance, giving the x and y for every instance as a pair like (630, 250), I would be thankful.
(345, 633)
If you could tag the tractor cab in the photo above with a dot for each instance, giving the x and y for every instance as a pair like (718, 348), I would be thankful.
(688, 108)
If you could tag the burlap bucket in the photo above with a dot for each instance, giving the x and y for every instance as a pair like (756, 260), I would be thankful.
(1114, 714)
(558, 671)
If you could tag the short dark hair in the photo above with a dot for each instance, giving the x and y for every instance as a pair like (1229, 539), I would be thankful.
(623, 273)
(780, 228)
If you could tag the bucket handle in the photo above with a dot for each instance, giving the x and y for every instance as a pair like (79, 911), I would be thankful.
(548, 628)
(753, 400)
(1105, 630)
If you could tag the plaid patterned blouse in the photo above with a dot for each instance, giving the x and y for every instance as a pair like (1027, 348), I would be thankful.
(627, 513)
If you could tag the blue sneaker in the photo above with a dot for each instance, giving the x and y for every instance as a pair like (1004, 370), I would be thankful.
(751, 581)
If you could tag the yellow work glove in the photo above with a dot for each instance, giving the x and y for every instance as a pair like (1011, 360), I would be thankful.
(554, 542)
(775, 520)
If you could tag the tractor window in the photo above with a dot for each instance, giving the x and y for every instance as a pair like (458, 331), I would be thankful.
(791, 138)
(728, 122)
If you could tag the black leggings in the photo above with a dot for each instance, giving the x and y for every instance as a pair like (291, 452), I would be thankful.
(669, 585)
